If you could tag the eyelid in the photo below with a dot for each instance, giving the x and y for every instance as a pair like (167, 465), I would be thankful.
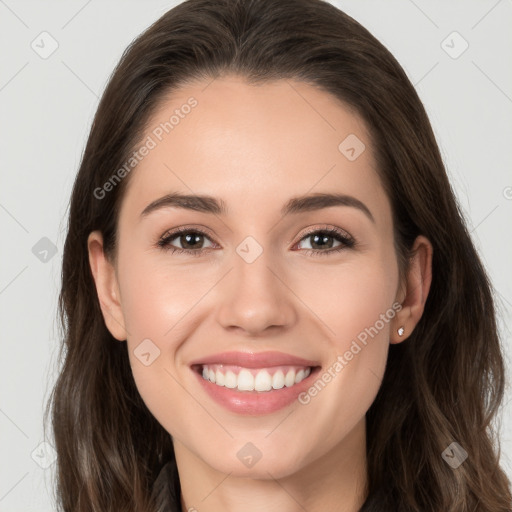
(323, 227)
(185, 229)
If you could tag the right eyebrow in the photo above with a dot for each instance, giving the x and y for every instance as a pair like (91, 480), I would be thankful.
(205, 204)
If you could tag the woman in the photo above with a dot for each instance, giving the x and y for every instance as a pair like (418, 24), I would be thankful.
(235, 142)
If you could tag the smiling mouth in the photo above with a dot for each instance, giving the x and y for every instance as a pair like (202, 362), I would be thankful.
(239, 378)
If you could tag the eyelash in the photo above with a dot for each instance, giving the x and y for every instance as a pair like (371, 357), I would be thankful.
(346, 240)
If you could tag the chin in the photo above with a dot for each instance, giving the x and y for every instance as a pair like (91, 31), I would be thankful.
(277, 464)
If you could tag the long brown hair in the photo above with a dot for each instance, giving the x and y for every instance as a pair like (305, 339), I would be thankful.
(443, 385)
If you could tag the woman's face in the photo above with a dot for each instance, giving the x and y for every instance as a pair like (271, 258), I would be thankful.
(270, 271)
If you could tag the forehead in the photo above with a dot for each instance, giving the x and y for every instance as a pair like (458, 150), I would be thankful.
(251, 143)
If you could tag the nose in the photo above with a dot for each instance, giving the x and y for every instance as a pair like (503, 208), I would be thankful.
(255, 298)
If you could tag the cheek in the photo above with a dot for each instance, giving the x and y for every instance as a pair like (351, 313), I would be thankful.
(354, 304)
(155, 307)
(155, 296)
(349, 298)
(161, 306)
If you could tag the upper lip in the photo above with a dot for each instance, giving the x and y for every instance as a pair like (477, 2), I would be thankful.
(254, 360)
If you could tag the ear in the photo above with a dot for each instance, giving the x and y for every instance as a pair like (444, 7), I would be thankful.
(106, 286)
(414, 290)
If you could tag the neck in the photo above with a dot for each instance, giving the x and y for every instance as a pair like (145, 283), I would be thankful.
(336, 480)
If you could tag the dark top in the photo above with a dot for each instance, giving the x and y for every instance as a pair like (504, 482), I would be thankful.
(166, 491)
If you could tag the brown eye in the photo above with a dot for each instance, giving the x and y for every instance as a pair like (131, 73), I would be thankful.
(327, 241)
(189, 241)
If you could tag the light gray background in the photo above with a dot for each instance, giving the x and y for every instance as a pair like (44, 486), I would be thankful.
(46, 108)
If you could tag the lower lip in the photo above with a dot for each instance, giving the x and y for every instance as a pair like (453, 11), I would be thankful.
(255, 402)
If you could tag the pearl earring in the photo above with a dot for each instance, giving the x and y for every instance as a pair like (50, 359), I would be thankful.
(401, 331)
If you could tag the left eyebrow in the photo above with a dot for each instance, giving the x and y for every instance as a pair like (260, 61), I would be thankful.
(323, 200)
(209, 204)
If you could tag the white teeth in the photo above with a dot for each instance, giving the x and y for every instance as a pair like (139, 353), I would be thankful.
(289, 380)
(245, 381)
(298, 377)
(278, 380)
(261, 381)
(219, 378)
(231, 380)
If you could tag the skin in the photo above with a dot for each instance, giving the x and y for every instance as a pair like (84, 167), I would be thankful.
(255, 147)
